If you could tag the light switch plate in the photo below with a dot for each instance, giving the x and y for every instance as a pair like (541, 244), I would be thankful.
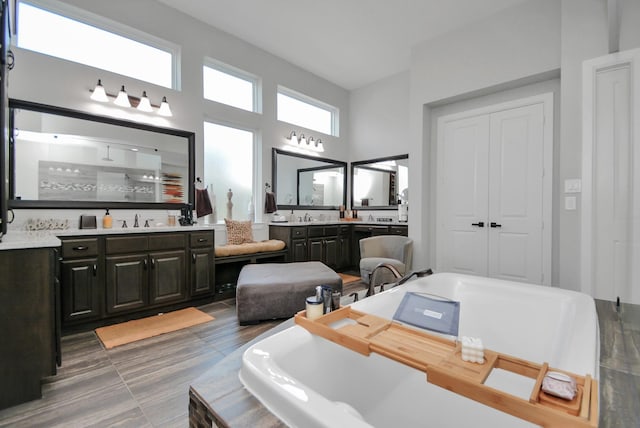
(573, 185)
(570, 203)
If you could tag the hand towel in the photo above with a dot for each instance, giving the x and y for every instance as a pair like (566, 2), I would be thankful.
(203, 203)
(270, 203)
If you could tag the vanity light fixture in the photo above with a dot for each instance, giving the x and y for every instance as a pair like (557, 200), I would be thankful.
(99, 94)
(303, 143)
(144, 104)
(165, 110)
(122, 99)
(125, 100)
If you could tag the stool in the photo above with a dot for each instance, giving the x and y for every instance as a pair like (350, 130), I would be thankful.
(279, 290)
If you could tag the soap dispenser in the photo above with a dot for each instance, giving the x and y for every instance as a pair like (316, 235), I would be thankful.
(107, 221)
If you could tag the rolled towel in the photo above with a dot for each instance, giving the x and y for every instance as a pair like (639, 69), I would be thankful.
(270, 203)
(203, 203)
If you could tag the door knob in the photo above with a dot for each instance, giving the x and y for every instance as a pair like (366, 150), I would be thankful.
(494, 224)
(479, 224)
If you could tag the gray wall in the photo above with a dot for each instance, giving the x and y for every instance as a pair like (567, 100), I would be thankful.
(519, 51)
(52, 81)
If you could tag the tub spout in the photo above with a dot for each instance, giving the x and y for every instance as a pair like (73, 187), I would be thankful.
(400, 279)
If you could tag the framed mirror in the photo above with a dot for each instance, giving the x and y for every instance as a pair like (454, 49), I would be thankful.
(378, 184)
(308, 182)
(63, 158)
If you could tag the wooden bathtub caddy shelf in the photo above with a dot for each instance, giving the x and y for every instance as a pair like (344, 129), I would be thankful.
(440, 359)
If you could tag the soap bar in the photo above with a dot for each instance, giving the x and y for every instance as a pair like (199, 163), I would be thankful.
(472, 350)
(559, 385)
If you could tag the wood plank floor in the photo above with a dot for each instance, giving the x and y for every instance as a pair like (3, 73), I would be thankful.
(145, 384)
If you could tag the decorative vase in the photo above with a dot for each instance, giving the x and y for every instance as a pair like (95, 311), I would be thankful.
(229, 205)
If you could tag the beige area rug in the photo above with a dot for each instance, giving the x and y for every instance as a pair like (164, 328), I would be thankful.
(348, 279)
(132, 331)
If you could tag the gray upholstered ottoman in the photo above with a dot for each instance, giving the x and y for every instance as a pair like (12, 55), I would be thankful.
(278, 290)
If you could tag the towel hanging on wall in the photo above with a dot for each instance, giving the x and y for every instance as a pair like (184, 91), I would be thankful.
(269, 200)
(203, 203)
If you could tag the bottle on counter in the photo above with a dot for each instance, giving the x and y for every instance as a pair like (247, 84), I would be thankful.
(107, 220)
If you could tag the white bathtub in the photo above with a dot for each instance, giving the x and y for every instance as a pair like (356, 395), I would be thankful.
(308, 381)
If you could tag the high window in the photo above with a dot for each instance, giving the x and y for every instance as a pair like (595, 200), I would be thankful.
(301, 110)
(228, 166)
(229, 85)
(77, 38)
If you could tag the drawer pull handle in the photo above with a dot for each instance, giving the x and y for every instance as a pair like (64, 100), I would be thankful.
(193, 258)
(202, 239)
(80, 248)
(95, 269)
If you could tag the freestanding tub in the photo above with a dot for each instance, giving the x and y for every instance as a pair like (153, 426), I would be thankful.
(308, 381)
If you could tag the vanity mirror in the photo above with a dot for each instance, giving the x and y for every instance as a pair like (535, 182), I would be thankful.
(63, 158)
(308, 182)
(378, 184)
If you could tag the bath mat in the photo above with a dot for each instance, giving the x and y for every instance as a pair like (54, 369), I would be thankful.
(132, 331)
(348, 279)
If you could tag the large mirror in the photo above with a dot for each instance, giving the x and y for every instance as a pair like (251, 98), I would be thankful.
(308, 182)
(65, 158)
(378, 184)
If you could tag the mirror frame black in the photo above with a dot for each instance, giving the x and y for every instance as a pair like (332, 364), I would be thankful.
(274, 180)
(61, 111)
(370, 161)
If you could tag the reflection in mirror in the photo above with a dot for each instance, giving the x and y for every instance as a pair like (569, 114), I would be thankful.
(380, 183)
(301, 181)
(65, 157)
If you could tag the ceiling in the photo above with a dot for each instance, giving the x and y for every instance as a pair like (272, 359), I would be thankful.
(349, 42)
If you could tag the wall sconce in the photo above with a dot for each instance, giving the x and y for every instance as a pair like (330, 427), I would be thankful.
(307, 144)
(125, 100)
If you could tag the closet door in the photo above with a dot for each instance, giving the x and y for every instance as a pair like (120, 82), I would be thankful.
(464, 197)
(493, 194)
(515, 194)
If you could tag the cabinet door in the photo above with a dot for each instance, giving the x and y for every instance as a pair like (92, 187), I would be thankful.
(80, 289)
(330, 252)
(202, 269)
(316, 249)
(344, 252)
(299, 250)
(126, 282)
(167, 277)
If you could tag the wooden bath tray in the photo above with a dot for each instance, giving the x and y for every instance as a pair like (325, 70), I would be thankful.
(440, 359)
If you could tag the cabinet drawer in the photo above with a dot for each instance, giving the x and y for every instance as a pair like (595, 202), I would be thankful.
(163, 241)
(298, 232)
(127, 244)
(79, 247)
(344, 229)
(204, 239)
(315, 231)
(399, 230)
(380, 230)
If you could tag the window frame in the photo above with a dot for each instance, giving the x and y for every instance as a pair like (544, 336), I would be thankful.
(238, 73)
(110, 26)
(333, 110)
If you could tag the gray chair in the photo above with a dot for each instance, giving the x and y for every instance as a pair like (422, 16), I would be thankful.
(396, 251)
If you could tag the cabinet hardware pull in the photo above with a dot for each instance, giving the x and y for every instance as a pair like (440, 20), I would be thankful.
(202, 239)
(95, 269)
(144, 264)
(479, 224)
(80, 248)
(494, 224)
(193, 258)
(153, 263)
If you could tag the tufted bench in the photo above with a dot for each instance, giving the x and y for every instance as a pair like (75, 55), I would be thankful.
(278, 290)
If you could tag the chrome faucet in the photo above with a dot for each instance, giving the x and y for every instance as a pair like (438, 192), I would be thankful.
(307, 217)
(400, 279)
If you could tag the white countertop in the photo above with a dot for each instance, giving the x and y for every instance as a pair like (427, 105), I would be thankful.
(338, 222)
(18, 240)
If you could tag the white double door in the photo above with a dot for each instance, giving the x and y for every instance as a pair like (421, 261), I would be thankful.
(493, 195)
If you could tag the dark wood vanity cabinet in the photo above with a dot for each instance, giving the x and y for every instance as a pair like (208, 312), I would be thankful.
(202, 264)
(81, 279)
(109, 276)
(30, 342)
(323, 245)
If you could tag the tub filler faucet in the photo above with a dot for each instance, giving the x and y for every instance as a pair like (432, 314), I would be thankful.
(400, 279)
